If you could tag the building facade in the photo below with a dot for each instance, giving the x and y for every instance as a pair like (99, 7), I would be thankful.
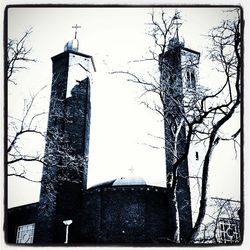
(121, 211)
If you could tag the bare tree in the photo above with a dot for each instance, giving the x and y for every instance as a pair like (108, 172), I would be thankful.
(18, 130)
(227, 50)
(18, 57)
(18, 54)
(191, 113)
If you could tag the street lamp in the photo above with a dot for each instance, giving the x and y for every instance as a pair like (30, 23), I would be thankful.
(67, 223)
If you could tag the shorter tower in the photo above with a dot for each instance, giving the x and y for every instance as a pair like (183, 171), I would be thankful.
(179, 72)
(67, 142)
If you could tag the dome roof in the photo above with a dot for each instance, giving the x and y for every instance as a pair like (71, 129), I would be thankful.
(175, 42)
(129, 181)
(72, 45)
(122, 181)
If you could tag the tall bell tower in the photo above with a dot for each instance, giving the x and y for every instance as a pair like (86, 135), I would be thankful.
(67, 142)
(179, 73)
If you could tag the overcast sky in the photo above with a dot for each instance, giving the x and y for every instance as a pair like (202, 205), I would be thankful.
(120, 125)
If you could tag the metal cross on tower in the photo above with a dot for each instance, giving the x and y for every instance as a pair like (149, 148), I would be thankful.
(177, 22)
(76, 27)
(131, 170)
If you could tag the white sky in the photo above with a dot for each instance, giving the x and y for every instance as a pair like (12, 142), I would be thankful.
(119, 124)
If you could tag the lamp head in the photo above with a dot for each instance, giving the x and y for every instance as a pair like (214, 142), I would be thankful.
(67, 222)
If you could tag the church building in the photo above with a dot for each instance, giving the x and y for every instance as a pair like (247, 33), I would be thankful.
(121, 211)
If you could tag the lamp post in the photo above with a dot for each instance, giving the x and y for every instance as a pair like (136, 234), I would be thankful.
(67, 223)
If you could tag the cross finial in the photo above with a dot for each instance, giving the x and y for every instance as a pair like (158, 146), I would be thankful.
(76, 27)
(177, 23)
(131, 170)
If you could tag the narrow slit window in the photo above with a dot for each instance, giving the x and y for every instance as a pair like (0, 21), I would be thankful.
(196, 156)
(192, 80)
(188, 79)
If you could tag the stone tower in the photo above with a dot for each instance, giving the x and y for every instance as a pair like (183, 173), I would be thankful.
(67, 142)
(179, 73)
